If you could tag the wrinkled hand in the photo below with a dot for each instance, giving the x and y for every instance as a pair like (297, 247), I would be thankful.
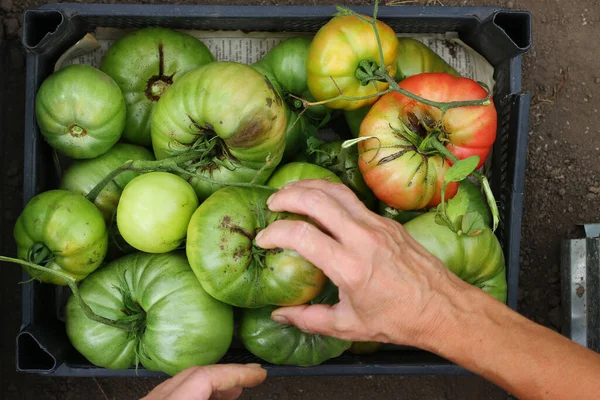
(391, 289)
(210, 382)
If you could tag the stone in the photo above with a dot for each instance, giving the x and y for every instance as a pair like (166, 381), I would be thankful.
(562, 192)
(6, 5)
(510, 4)
(594, 189)
(11, 26)
(555, 317)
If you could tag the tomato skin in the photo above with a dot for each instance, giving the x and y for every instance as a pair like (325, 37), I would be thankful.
(82, 176)
(329, 157)
(220, 248)
(364, 347)
(80, 111)
(478, 260)
(143, 57)
(231, 104)
(154, 211)
(71, 228)
(285, 344)
(336, 51)
(414, 58)
(184, 326)
(400, 174)
(297, 171)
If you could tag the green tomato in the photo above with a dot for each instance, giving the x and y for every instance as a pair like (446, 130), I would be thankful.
(285, 68)
(154, 211)
(80, 111)
(285, 344)
(355, 117)
(344, 163)
(477, 260)
(232, 268)
(414, 58)
(82, 176)
(63, 232)
(231, 116)
(173, 323)
(297, 171)
(144, 64)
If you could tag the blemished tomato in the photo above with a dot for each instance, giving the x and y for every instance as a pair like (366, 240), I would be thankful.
(285, 344)
(144, 64)
(343, 52)
(82, 176)
(229, 115)
(80, 111)
(154, 211)
(232, 268)
(408, 174)
(477, 260)
(61, 231)
(169, 323)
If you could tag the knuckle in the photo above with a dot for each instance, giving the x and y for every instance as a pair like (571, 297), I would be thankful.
(314, 198)
(301, 229)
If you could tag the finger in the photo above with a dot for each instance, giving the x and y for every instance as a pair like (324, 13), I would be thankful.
(230, 394)
(316, 318)
(206, 380)
(165, 388)
(317, 204)
(311, 243)
(339, 191)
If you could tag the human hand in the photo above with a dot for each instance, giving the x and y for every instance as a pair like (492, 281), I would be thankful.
(390, 288)
(211, 382)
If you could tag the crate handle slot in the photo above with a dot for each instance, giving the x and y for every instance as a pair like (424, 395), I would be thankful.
(42, 27)
(33, 356)
(503, 35)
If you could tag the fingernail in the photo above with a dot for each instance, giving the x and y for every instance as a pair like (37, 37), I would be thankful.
(280, 319)
(270, 199)
(258, 236)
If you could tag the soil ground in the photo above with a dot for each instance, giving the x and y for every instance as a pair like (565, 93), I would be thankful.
(562, 190)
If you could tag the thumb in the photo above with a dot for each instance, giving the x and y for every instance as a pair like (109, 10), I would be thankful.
(317, 318)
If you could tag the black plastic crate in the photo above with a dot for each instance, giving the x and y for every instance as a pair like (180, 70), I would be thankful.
(501, 36)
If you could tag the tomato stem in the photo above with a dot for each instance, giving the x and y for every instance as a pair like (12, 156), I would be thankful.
(130, 327)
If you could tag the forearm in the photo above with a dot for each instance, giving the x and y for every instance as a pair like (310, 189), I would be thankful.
(524, 358)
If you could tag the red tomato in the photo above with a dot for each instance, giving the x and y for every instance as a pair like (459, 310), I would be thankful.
(408, 174)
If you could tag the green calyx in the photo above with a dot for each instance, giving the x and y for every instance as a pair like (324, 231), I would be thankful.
(135, 315)
(40, 254)
(367, 71)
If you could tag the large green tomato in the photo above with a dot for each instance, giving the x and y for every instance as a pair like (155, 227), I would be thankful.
(232, 268)
(297, 171)
(414, 58)
(80, 111)
(63, 232)
(285, 344)
(344, 163)
(167, 321)
(477, 260)
(144, 64)
(82, 176)
(154, 211)
(228, 114)
(285, 67)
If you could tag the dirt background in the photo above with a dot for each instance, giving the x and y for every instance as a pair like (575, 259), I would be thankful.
(562, 190)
